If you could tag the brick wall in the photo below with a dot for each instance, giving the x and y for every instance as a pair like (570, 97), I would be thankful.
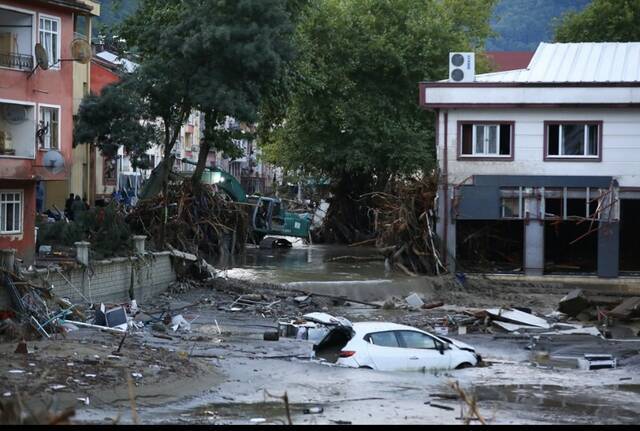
(108, 280)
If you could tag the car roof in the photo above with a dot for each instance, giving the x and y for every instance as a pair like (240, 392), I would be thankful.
(367, 327)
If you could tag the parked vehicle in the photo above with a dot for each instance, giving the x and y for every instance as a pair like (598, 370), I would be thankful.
(392, 347)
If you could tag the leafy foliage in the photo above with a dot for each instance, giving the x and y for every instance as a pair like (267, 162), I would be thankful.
(352, 104)
(116, 118)
(104, 228)
(520, 25)
(602, 21)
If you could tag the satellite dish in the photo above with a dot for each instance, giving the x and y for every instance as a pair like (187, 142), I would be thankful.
(81, 51)
(53, 161)
(42, 58)
(14, 114)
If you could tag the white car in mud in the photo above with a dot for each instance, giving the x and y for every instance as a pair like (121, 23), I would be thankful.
(392, 347)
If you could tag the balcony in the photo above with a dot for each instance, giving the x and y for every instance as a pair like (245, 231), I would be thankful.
(17, 130)
(16, 61)
(16, 40)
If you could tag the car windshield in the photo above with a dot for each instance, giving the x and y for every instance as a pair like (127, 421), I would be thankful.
(417, 340)
(386, 339)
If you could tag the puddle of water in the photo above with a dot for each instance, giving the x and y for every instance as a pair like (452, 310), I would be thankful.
(570, 406)
(270, 411)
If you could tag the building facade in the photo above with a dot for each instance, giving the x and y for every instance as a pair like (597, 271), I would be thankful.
(540, 166)
(36, 113)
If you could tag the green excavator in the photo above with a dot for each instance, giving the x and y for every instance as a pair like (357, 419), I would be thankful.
(268, 215)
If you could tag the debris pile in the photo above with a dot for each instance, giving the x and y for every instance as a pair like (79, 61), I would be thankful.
(405, 222)
(204, 222)
(36, 310)
(620, 315)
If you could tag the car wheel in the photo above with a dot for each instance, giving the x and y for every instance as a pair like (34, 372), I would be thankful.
(463, 365)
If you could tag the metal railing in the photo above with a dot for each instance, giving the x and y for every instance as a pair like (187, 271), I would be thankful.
(16, 61)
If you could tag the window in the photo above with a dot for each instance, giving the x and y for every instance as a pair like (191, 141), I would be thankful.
(572, 140)
(48, 128)
(416, 340)
(10, 212)
(486, 140)
(385, 339)
(512, 202)
(50, 39)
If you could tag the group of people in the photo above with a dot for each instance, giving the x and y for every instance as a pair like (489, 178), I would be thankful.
(74, 206)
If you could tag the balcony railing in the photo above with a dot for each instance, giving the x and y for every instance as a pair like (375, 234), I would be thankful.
(16, 61)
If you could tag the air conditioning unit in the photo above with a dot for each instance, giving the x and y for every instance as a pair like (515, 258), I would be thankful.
(462, 66)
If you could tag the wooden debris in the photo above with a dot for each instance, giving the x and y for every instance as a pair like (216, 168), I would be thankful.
(629, 308)
(405, 219)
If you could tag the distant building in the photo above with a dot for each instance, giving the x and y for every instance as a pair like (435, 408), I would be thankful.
(541, 165)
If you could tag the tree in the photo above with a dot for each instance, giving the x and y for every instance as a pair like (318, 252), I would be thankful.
(351, 111)
(118, 117)
(602, 21)
(235, 50)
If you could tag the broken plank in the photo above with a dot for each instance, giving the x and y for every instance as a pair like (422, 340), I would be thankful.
(518, 317)
(629, 308)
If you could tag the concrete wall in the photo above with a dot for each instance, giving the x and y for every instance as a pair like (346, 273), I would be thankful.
(620, 149)
(109, 280)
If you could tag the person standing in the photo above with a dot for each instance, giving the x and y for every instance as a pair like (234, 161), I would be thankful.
(67, 206)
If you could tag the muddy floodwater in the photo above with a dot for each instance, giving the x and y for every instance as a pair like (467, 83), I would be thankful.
(246, 375)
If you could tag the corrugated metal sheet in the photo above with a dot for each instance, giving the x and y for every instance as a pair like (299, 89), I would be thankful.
(576, 62)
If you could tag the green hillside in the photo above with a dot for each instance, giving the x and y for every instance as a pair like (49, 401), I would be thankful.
(520, 24)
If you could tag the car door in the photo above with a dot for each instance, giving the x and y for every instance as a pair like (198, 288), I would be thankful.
(385, 352)
(422, 351)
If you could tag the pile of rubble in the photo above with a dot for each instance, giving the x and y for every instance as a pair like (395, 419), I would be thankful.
(405, 222)
(198, 221)
(577, 314)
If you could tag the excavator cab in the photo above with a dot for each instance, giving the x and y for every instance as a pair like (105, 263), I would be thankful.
(270, 217)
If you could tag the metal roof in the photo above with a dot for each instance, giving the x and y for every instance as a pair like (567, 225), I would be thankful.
(129, 66)
(576, 62)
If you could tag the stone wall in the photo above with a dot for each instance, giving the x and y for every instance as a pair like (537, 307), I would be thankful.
(108, 280)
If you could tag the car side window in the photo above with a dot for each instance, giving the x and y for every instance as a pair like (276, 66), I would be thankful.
(385, 339)
(417, 340)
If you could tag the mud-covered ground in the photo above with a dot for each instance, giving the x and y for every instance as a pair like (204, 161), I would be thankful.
(222, 371)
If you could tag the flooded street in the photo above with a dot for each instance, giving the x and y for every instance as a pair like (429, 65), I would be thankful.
(519, 386)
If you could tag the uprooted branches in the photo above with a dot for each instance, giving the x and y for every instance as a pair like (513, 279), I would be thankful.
(405, 223)
(201, 221)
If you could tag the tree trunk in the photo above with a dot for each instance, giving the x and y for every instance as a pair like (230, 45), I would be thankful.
(205, 147)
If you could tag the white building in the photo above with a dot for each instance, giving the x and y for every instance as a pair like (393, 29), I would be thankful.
(541, 166)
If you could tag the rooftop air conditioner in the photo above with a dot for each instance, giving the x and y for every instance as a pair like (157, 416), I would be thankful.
(462, 66)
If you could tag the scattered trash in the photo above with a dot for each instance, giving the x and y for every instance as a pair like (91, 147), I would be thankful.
(57, 387)
(84, 400)
(313, 410)
(179, 322)
(136, 375)
(414, 300)
(517, 316)
(629, 308)
(439, 406)
(22, 348)
(16, 371)
(6, 394)
(573, 303)
(432, 305)
(271, 336)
